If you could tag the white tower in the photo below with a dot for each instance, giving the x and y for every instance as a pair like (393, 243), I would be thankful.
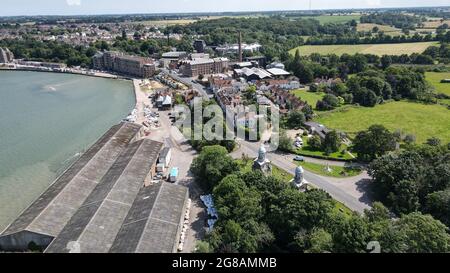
(262, 163)
(262, 154)
(299, 179)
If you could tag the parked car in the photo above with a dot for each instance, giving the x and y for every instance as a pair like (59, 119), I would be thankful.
(299, 158)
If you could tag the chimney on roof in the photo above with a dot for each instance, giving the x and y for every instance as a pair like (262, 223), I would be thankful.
(240, 46)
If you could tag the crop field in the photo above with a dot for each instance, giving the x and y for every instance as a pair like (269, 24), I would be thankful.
(369, 27)
(424, 121)
(163, 23)
(376, 49)
(435, 78)
(435, 23)
(324, 19)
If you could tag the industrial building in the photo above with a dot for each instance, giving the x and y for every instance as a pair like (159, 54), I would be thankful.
(194, 68)
(6, 56)
(125, 64)
(100, 204)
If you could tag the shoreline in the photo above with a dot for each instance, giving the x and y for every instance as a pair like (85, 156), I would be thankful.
(81, 73)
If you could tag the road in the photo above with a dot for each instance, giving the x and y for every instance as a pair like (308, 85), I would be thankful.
(182, 156)
(203, 91)
(351, 192)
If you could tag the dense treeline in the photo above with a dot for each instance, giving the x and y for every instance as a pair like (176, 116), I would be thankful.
(264, 214)
(401, 21)
(277, 34)
(416, 179)
(374, 79)
(50, 51)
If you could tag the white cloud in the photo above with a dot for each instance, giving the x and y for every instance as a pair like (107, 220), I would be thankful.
(73, 2)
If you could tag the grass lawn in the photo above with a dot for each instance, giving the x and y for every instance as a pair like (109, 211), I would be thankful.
(310, 97)
(341, 208)
(435, 78)
(376, 49)
(306, 150)
(424, 121)
(337, 171)
(276, 172)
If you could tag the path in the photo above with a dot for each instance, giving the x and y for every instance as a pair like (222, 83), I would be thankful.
(348, 191)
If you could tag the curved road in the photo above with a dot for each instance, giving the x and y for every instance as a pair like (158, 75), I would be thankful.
(350, 192)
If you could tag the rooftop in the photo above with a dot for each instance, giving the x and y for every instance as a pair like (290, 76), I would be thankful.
(278, 72)
(55, 207)
(153, 222)
(97, 222)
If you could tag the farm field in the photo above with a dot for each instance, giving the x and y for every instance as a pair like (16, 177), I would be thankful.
(435, 23)
(369, 27)
(424, 121)
(376, 49)
(310, 97)
(435, 78)
(324, 19)
(163, 23)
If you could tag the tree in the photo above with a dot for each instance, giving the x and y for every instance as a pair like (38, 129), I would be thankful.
(332, 142)
(212, 165)
(352, 236)
(386, 61)
(434, 141)
(296, 119)
(403, 181)
(423, 234)
(329, 102)
(234, 200)
(320, 241)
(409, 139)
(308, 111)
(438, 205)
(315, 142)
(203, 247)
(373, 143)
(285, 143)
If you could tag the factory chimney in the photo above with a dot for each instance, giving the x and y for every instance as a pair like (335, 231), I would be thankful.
(240, 46)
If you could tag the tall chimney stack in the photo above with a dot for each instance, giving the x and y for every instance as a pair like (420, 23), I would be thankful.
(240, 46)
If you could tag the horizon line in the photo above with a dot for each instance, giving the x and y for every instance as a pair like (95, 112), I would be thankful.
(217, 12)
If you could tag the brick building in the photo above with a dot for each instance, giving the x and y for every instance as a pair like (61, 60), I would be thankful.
(125, 64)
(194, 68)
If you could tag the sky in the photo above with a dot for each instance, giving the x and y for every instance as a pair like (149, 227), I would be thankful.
(88, 7)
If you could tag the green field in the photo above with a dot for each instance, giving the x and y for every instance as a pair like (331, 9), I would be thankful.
(435, 78)
(336, 171)
(306, 150)
(424, 121)
(278, 173)
(337, 19)
(376, 49)
(310, 97)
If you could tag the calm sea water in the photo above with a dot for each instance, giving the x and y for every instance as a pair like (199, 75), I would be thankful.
(46, 121)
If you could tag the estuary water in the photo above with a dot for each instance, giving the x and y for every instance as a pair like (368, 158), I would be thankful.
(46, 121)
